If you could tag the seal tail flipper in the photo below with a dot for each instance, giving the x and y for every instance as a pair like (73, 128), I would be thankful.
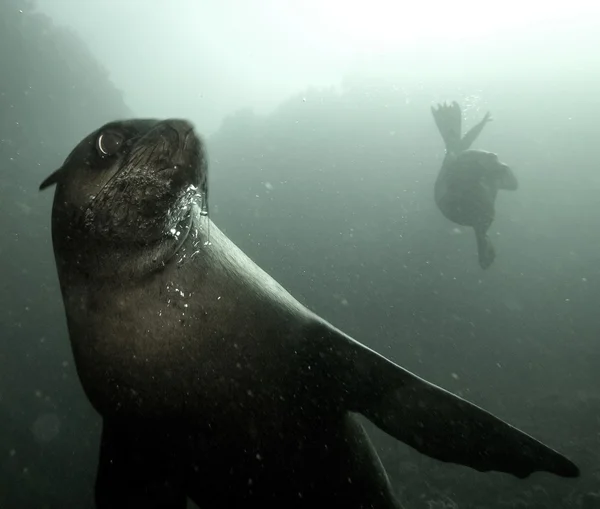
(485, 249)
(432, 420)
(473, 133)
(448, 119)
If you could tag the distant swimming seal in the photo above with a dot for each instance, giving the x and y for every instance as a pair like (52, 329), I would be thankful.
(213, 382)
(469, 180)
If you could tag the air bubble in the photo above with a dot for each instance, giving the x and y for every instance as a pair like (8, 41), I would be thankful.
(203, 203)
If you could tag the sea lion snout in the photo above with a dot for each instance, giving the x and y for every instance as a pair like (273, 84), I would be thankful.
(179, 150)
(176, 137)
(183, 128)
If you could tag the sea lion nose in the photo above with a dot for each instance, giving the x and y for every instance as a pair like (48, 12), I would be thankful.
(181, 126)
(178, 146)
(177, 134)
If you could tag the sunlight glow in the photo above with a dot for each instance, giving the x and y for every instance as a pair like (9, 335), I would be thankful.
(389, 24)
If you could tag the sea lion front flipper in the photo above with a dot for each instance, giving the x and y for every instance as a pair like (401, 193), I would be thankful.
(448, 119)
(432, 420)
(485, 249)
(132, 472)
(51, 179)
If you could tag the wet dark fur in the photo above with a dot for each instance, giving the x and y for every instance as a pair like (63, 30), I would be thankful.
(215, 383)
(469, 180)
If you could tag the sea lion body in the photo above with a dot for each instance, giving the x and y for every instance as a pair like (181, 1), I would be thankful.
(189, 303)
(464, 193)
(213, 382)
(468, 182)
(242, 416)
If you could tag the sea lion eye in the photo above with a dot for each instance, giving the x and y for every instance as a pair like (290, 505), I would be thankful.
(108, 144)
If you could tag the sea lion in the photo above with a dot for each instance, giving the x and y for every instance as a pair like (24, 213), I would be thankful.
(213, 382)
(468, 181)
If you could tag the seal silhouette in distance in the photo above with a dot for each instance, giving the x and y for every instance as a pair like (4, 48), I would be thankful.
(213, 382)
(468, 182)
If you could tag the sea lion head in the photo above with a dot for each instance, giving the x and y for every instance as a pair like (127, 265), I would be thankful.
(481, 161)
(467, 186)
(130, 181)
(468, 174)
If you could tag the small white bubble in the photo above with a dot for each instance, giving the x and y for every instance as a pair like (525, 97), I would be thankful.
(455, 376)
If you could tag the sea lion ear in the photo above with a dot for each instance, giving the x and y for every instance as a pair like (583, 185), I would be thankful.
(51, 180)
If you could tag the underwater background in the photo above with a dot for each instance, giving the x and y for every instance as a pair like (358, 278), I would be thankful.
(328, 186)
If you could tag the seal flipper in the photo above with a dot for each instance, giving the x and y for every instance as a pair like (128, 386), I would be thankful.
(473, 133)
(134, 472)
(448, 119)
(485, 249)
(51, 179)
(432, 420)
